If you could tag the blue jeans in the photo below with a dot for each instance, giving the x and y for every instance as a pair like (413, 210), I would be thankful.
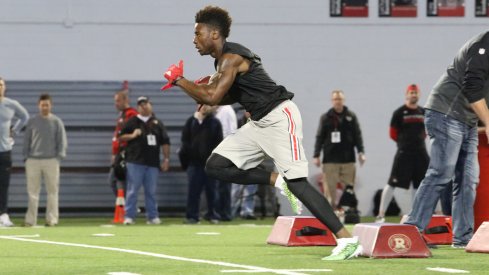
(141, 175)
(453, 157)
(198, 179)
(244, 197)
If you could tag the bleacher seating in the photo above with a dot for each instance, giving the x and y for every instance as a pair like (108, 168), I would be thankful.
(88, 112)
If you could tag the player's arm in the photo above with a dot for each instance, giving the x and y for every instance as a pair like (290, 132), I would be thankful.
(476, 75)
(215, 92)
(320, 137)
(394, 126)
(209, 80)
(480, 108)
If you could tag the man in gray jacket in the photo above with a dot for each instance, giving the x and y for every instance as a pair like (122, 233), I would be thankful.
(44, 147)
(9, 110)
(455, 104)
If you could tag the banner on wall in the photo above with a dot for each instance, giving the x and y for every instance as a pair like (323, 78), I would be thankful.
(445, 7)
(481, 8)
(398, 8)
(348, 8)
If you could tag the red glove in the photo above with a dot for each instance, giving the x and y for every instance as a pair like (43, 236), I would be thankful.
(173, 74)
(203, 80)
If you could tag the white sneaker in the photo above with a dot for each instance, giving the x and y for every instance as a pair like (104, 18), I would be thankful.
(5, 220)
(295, 203)
(154, 221)
(128, 221)
(379, 219)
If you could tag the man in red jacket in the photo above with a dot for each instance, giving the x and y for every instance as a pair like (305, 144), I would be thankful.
(121, 102)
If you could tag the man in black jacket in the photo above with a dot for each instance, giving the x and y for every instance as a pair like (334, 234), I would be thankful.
(455, 104)
(146, 138)
(201, 134)
(338, 135)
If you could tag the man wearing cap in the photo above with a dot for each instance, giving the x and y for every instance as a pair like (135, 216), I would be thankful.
(337, 136)
(411, 159)
(145, 134)
(9, 109)
(455, 105)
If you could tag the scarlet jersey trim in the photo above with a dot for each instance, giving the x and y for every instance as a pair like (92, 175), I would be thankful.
(294, 141)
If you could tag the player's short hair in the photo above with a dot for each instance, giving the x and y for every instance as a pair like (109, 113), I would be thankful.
(44, 96)
(216, 17)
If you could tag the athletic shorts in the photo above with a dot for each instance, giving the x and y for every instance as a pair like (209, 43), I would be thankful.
(408, 168)
(277, 135)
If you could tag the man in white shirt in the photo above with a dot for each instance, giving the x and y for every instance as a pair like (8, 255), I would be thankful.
(227, 116)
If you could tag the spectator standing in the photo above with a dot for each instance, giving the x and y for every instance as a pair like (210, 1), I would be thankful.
(9, 110)
(227, 116)
(411, 160)
(456, 103)
(45, 146)
(201, 134)
(243, 196)
(145, 134)
(121, 102)
(337, 136)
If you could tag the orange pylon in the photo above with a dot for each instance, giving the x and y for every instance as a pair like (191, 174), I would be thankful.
(119, 207)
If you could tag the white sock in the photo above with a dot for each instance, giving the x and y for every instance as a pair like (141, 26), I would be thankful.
(349, 240)
(385, 199)
(279, 180)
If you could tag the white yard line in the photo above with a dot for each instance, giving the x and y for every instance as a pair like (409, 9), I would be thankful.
(122, 273)
(292, 270)
(447, 270)
(208, 233)
(25, 236)
(157, 255)
(103, 235)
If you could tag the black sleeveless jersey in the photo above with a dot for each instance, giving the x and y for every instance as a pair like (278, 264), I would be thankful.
(254, 90)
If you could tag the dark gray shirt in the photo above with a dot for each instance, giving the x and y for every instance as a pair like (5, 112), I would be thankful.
(464, 82)
(45, 138)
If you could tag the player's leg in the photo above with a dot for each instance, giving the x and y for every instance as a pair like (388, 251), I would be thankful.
(385, 199)
(51, 173)
(135, 174)
(326, 190)
(195, 185)
(317, 204)
(281, 139)
(388, 191)
(33, 176)
(224, 169)
(464, 189)
(446, 137)
(332, 178)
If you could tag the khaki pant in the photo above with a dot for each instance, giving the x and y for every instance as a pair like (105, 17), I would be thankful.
(47, 170)
(334, 173)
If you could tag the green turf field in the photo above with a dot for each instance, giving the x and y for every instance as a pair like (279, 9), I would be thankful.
(236, 247)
